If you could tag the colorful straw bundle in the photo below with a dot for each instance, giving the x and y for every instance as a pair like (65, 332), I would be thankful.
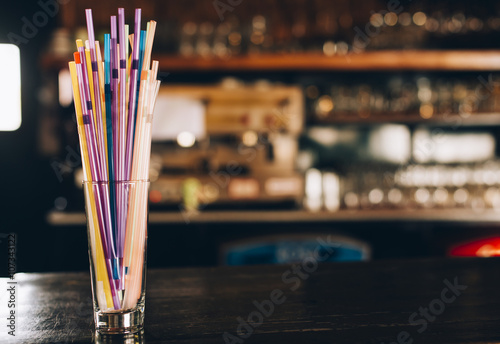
(114, 103)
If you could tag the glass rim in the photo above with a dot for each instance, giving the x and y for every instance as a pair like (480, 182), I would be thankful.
(102, 182)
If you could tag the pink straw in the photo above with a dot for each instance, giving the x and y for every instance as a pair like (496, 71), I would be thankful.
(133, 91)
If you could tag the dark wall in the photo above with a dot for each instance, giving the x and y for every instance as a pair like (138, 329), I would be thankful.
(27, 180)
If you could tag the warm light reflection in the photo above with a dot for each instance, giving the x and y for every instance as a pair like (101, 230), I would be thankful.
(186, 139)
(391, 142)
(419, 18)
(65, 93)
(250, 138)
(313, 189)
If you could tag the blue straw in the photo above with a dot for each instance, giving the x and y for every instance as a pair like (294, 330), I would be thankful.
(142, 49)
(109, 125)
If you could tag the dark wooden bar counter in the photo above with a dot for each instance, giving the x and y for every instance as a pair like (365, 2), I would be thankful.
(420, 301)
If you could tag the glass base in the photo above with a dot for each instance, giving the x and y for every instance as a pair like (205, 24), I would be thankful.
(122, 338)
(119, 322)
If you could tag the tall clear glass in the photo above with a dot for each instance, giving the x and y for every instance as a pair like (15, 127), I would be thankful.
(117, 218)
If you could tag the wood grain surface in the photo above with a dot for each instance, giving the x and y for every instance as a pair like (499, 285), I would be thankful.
(334, 303)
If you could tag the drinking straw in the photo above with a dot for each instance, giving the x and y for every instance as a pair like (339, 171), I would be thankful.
(103, 192)
(131, 41)
(100, 144)
(96, 245)
(141, 163)
(120, 230)
(107, 101)
(117, 135)
(108, 151)
(140, 166)
(146, 123)
(113, 105)
(87, 119)
(133, 91)
(126, 49)
(148, 132)
(90, 81)
(149, 45)
(104, 294)
(145, 48)
(109, 126)
(97, 93)
(130, 218)
(128, 61)
(133, 280)
(113, 94)
(79, 121)
(100, 73)
(123, 64)
(135, 228)
(142, 45)
(116, 98)
(131, 109)
(142, 48)
(144, 57)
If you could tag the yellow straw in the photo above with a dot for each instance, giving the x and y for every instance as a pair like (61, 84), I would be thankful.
(96, 245)
(149, 44)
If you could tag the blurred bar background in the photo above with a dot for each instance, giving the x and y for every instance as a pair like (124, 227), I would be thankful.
(278, 121)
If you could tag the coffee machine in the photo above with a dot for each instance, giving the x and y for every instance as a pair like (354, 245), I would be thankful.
(227, 145)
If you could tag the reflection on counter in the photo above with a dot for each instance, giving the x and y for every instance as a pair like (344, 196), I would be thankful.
(130, 338)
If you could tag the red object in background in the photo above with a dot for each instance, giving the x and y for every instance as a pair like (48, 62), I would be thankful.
(155, 196)
(480, 248)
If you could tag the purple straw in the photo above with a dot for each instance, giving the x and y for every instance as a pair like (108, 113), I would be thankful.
(94, 168)
(123, 132)
(105, 200)
(97, 96)
(118, 132)
(100, 133)
(114, 96)
(115, 119)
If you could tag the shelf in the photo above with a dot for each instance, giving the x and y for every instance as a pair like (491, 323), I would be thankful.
(289, 216)
(376, 60)
(451, 60)
(450, 120)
